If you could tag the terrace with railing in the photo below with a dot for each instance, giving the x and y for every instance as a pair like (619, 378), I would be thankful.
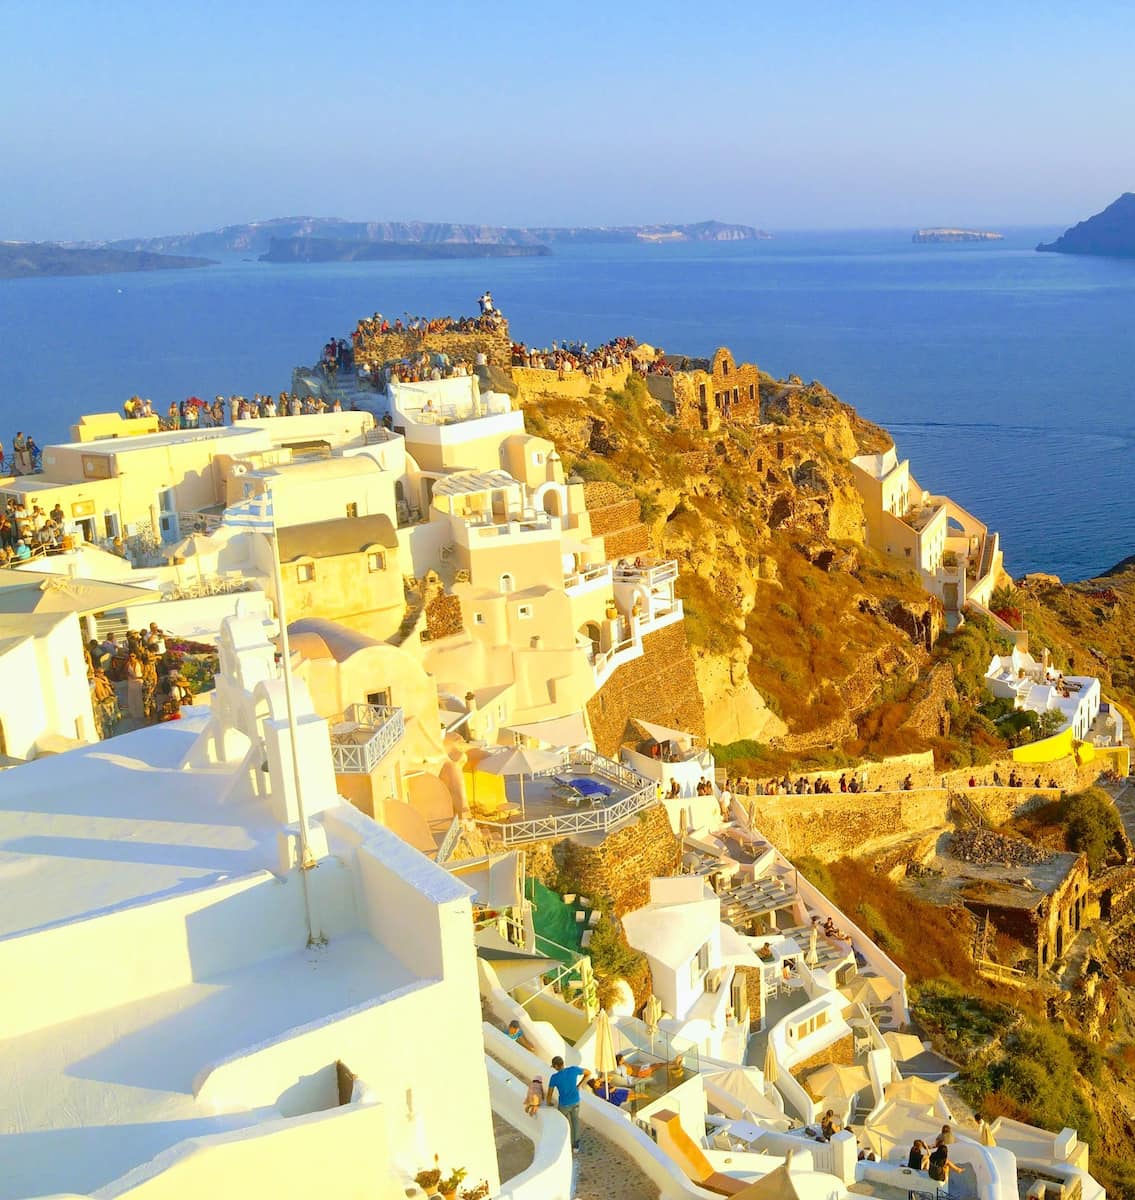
(588, 794)
(652, 574)
(587, 578)
(364, 737)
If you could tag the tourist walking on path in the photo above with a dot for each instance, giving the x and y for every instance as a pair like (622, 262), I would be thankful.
(563, 1091)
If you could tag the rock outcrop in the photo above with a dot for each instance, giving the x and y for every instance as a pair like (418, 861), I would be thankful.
(1111, 232)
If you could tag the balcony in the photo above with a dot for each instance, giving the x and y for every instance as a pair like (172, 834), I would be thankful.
(587, 579)
(364, 737)
(652, 574)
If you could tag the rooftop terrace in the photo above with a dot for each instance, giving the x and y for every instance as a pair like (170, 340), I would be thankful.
(91, 1098)
(101, 826)
(585, 798)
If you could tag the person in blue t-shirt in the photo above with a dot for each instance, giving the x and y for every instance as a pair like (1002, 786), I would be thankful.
(564, 1087)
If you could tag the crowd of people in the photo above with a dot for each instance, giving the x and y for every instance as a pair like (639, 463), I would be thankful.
(566, 358)
(418, 367)
(194, 413)
(26, 533)
(25, 458)
(369, 328)
(142, 679)
(1014, 781)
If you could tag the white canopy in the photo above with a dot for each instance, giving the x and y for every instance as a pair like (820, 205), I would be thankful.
(743, 1088)
(556, 731)
(662, 733)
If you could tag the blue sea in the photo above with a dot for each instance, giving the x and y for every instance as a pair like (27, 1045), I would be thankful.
(1006, 376)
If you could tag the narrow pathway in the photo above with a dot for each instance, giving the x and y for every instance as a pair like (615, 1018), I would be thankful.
(603, 1171)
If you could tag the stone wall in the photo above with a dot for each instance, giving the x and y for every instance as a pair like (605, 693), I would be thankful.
(840, 730)
(888, 774)
(616, 516)
(661, 686)
(612, 517)
(1066, 772)
(929, 715)
(599, 493)
(374, 351)
(533, 383)
(727, 392)
(842, 1053)
(619, 868)
(830, 827)
(443, 616)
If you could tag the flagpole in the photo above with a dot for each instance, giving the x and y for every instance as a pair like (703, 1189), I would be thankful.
(307, 859)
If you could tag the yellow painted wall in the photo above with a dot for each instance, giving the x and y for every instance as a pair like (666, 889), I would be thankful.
(344, 589)
(1048, 750)
(95, 427)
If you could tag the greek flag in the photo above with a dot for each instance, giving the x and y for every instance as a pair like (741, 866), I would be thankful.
(255, 513)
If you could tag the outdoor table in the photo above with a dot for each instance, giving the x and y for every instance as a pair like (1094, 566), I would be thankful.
(746, 1131)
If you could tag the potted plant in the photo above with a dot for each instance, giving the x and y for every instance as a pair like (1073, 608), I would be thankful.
(428, 1180)
(449, 1185)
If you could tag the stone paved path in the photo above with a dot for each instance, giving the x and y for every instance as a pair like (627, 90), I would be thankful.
(604, 1172)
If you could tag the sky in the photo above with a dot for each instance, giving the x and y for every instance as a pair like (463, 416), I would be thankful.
(128, 119)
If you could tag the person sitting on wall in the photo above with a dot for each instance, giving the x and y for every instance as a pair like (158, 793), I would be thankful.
(675, 791)
(919, 1157)
(938, 1166)
(829, 1125)
(516, 1034)
(764, 952)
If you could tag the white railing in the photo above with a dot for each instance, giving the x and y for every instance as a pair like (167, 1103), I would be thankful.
(600, 819)
(360, 758)
(653, 574)
(579, 579)
(210, 585)
(449, 842)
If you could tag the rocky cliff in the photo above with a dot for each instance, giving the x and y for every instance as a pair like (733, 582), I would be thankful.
(27, 260)
(314, 249)
(796, 627)
(255, 236)
(1111, 232)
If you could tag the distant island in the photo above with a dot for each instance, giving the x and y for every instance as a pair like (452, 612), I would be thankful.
(1111, 232)
(321, 250)
(31, 260)
(255, 237)
(956, 235)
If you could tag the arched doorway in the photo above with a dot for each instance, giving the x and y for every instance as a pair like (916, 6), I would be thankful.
(589, 631)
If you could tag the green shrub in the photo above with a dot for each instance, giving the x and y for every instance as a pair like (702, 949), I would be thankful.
(1091, 826)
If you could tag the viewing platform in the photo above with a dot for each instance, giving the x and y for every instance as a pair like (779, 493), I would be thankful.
(587, 794)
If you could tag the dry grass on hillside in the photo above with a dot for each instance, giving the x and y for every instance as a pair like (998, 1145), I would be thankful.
(927, 941)
(809, 633)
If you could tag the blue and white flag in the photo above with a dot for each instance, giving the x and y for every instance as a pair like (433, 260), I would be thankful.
(254, 513)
